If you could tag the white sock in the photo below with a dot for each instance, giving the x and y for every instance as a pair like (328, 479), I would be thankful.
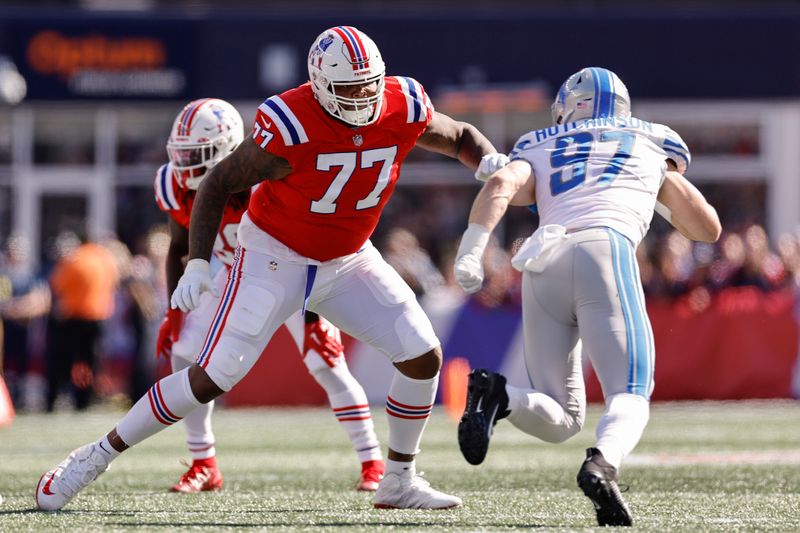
(107, 449)
(408, 407)
(400, 468)
(199, 436)
(539, 415)
(621, 426)
(167, 402)
(351, 408)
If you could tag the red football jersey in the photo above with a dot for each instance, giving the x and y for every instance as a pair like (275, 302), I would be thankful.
(178, 201)
(341, 176)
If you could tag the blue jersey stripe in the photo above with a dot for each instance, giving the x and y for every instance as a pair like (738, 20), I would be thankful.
(414, 97)
(675, 144)
(163, 184)
(286, 121)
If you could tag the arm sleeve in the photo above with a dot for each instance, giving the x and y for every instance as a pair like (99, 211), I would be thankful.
(676, 149)
(419, 107)
(277, 129)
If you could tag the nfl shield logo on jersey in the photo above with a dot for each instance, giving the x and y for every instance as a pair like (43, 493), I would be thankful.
(358, 140)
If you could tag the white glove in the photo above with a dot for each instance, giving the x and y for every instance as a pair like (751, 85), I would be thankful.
(468, 268)
(194, 282)
(490, 163)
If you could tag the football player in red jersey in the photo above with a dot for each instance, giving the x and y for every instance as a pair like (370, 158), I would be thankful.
(326, 156)
(203, 133)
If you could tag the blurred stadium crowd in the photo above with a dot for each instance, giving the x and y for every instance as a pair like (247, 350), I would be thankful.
(418, 238)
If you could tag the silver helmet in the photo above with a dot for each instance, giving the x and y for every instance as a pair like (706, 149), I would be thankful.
(592, 92)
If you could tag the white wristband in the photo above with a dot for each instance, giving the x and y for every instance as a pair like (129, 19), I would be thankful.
(474, 240)
(197, 264)
(664, 211)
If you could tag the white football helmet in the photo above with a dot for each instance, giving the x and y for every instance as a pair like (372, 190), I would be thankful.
(203, 133)
(592, 92)
(345, 56)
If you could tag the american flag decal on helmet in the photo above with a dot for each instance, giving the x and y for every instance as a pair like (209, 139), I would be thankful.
(355, 47)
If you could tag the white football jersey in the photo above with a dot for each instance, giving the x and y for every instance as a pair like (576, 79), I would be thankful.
(603, 172)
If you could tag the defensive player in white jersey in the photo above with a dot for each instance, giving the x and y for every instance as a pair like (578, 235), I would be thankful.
(326, 157)
(203, 133)
(595, 177)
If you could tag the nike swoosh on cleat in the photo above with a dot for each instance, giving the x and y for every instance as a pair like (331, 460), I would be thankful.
(46, 488)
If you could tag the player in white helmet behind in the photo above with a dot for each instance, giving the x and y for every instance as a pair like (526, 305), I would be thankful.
(595, 177)
(203, 133)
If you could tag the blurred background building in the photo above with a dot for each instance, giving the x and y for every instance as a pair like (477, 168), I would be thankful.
(88, 91)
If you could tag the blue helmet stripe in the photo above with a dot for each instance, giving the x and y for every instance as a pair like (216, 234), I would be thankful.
(602, 92)
(353, 42)
(596, 99)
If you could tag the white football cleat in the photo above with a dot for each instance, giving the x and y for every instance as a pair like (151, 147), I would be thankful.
(406, 491)
(59, 485)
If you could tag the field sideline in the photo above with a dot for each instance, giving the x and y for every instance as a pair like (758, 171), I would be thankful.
(700, 467)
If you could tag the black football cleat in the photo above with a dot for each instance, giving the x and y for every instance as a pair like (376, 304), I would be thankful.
(598, 481)
(487, 402)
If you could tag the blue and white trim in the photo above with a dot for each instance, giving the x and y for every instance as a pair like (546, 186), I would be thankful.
(639, 333)
(287, 122)
(417, 102)
(676, 149)
(165, 194)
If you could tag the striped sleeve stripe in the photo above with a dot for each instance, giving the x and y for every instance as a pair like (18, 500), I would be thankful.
(677, 146)
(159, 407)
(289, 126)
(413, 93)
(200, 447)
(409, 412)
(353, 412)
(165, 194)
(680, 154)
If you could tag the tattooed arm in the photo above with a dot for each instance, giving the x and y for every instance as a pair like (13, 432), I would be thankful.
(245, 167)
(459, 140)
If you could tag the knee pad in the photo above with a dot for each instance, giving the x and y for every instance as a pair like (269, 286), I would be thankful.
(231, 359)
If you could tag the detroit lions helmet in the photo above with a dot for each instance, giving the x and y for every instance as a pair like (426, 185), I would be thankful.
(203, 133)
(592, 92)
(345, 56)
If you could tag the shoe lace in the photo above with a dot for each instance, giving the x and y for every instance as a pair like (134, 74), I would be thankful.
(419, 481)
(195, 475)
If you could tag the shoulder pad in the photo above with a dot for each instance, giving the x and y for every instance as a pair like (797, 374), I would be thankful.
(164, 188)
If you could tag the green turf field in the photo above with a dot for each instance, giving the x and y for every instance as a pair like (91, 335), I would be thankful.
(700, 467)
